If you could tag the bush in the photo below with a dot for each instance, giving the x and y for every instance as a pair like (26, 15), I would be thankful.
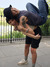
(46, 28)
(49, 10)
(15, 34)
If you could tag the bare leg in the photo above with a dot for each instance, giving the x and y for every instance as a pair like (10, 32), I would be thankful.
(26, 51)
(34, 56)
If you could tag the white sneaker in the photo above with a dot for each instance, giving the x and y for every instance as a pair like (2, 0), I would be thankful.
(22, 62)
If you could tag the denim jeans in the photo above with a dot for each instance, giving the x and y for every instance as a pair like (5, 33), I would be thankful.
(42, 12)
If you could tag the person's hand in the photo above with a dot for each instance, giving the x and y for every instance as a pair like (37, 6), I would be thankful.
(20, 27)
(37, 36)
(15, 28)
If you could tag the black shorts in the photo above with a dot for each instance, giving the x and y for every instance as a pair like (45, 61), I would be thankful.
(34, 43)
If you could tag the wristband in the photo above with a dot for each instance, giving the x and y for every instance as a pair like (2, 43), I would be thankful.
(27, 31)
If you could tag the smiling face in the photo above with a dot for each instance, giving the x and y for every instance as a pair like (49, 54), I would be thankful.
(13, 22)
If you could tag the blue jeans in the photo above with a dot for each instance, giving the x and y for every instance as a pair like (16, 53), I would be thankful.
(42, 12)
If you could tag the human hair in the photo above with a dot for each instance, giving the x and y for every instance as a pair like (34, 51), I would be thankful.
(7, 20)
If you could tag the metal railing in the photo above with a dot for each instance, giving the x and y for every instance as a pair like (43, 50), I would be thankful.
(6, 31)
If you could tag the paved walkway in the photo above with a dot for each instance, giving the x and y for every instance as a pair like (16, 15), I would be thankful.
(11, 54)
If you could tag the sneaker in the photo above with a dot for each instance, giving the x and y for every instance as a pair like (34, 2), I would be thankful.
(22, 62)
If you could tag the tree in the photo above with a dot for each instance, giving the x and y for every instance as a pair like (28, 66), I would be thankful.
(48, 2)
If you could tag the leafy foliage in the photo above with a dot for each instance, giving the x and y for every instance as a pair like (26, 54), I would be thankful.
(46, 28)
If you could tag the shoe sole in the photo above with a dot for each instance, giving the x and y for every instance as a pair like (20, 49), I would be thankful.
(22, 63)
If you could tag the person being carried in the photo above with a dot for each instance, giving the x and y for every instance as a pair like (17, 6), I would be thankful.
(23, 20)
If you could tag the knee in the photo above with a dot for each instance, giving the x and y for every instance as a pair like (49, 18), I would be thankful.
(33, 51)
(28, 4)
(27, 46)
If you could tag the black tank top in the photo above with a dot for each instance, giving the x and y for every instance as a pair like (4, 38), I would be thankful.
(33, 19)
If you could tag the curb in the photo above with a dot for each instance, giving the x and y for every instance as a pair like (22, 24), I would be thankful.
(45, 36)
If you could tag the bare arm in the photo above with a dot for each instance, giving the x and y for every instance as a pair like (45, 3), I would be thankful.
(32, 36)
(23, 21)
(28, 34)
(21, 28)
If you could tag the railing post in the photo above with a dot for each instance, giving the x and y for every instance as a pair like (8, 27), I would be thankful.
(1, 27)
(11, 35)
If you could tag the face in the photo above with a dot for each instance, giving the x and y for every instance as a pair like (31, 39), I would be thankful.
(13, 22)
(14, 11)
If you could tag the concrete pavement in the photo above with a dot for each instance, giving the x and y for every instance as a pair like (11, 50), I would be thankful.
(12, 53)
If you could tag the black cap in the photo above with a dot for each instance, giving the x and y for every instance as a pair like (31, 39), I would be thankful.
(7, 12)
